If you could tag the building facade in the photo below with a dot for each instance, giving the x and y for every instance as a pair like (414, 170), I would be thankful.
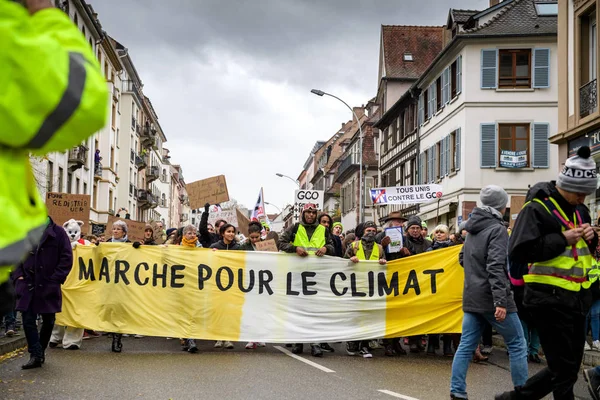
(487, 107)
(578, 115)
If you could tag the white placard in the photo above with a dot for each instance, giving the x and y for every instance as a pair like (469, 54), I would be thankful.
(228, 215)
(396, 234)
(302, 197)
(418, 194)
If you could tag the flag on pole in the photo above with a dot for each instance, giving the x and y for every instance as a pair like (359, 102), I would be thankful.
(259, 214)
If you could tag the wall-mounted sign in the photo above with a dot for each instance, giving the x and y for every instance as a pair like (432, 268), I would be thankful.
(590, 139)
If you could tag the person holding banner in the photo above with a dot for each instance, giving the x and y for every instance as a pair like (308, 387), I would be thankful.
(362, 250)
(305, 238)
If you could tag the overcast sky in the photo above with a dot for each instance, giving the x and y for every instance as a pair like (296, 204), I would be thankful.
(231, 79)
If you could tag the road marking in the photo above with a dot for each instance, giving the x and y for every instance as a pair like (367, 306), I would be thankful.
(304, 360)
(397, 395)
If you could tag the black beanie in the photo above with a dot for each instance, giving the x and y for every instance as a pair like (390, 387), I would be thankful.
(413, 220)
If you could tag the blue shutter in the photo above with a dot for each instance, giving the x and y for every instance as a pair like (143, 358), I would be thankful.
(442, 161)
(457, 159)
(448, 145)
(445, 87)
(430, 165)
(433, 97)
(421, 116)
(489, 59)
(421, 171)
(459, 75)
(489, 149)
(541, 68)
(541, 145)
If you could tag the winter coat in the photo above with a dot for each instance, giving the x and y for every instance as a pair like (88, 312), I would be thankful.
(220, 245)
(43, 272)
(441, 245)
(537, 236)
(337, 246)
(367, 248)
(484, 258)
(206, 238)
(286, 239)
(416, 246)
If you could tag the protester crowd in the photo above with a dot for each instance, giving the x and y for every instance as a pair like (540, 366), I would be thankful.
(516, 283)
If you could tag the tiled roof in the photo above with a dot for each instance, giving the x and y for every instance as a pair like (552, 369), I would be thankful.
(517, 18)
(423, 42)
(462, 16)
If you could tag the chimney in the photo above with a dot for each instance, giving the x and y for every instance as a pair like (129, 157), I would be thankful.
(494, 2)
(360, 111)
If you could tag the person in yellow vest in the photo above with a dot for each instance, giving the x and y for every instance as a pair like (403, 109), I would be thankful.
(53, 97)
(553, 240)
(307, 238)
(364, 249)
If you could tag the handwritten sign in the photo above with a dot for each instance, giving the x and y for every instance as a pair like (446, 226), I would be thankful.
(212, 190)
(135, 229)
(160, 236)
(516, 204)
(228, 215)
(63, 206)
(266, 245)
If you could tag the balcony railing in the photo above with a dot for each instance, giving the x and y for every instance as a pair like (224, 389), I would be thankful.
(149, 141)
(152, 173)
(140, 162)
(77, 157)
(345, 165)
(588, 98)
(130, 86)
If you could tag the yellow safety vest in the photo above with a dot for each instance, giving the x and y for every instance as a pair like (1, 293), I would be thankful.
(360, 251)
(53, 97)
(574, 268)
(313, 244)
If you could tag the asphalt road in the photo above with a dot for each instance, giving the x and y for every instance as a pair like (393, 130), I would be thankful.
(156, 368)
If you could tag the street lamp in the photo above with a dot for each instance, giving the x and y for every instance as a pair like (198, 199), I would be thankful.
(290, 178)
(271, 204)
(360, 150)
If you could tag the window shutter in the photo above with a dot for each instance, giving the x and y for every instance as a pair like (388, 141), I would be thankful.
(433, 98)
(457, 159)
(420, 112)
(488, 68)
(459, 74)
(444, 87)
(442, 161)
(421, 171)
(541, 68)
(540, 145)
(448, 140)
(430, 166)
(489, 150)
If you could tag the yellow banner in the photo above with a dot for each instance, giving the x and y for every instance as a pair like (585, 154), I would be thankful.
(260, 296)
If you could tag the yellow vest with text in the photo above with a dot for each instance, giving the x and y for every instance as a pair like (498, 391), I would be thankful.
(360, 251)
(575, 268)
(53, 97)
(313, 244)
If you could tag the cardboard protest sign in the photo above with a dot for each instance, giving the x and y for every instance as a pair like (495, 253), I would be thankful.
(266, 245)
(64, 206)
(243, 222)
(135, 229)
(212, 190)
(516, 204)
(228, 215)
(160, 236)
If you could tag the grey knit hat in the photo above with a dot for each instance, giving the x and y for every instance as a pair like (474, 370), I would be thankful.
(579, 173)
(413, 220)
(493, 196)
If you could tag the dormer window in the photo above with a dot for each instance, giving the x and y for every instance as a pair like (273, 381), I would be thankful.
(547, 9)
(408, 57)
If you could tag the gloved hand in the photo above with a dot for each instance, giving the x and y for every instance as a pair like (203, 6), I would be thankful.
(136, 245)
(206, 207)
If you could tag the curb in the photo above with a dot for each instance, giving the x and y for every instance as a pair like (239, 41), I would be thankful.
(11, 344)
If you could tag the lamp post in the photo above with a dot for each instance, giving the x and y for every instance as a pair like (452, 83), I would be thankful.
(290, 178)
(271, 204)
(360, 151)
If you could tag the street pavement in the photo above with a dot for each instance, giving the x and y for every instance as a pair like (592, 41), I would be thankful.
(156, 368)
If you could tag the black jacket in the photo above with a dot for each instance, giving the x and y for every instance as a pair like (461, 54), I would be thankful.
(441, 245)
(206, 238)
(337, 246)
(537, 236)
(220, 245)
(416, 246)
(484, 256)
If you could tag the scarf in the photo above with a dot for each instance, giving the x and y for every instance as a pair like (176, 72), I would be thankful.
(188, 243)
(122, 240)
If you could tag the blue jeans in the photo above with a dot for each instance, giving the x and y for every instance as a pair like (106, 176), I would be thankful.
(593, 319)
(532, 338)
(511, 331)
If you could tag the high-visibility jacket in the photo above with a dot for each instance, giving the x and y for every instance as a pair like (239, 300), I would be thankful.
(575, 268)
(317, 240)
(360, 251)
(52, 96)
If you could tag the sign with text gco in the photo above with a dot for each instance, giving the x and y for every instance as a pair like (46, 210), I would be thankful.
(303, 197)
(418, 194)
